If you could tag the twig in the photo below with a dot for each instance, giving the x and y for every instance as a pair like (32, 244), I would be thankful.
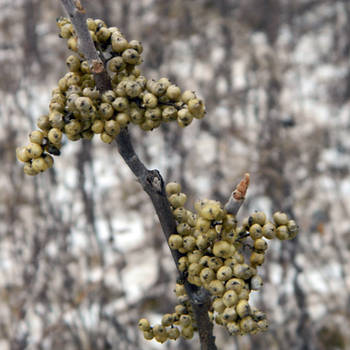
(151, 180)
(237, 196)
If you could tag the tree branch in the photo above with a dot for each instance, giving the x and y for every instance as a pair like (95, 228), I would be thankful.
(151, 180)
(153, 184)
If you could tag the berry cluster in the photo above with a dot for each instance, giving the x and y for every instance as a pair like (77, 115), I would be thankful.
(179, 323)
(223, 258)
(78, 110)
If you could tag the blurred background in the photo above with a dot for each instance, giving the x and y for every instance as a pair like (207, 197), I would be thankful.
(82, 255)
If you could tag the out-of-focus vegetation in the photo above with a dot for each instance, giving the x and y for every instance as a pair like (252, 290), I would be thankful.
(82, 256)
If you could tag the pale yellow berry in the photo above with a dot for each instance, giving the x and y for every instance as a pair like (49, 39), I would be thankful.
(258, 217)
(131, 56)
(173, 92)
(282, 232)
(34, 150)
(106, 111)
(202, 242)
(196, 108)
(22, 154)
(216, 287)
(280, 218)
(194, 256)
(204, 260)
(167, 320)
(180, 289)
(243, 308)
(233, 328)
(223, 249)
(243, 271)
(175, 241)
(218, 305)
(260, 245)
(183, 229)
(39, 164)
(188, 95)
(172, 188)
(178, 200)
(255, 231)
(123, 119)
(269, 230)
(72, 128)
(185, 320)
(119, 44)
(180, 214)
(229, 314)
(73, 63)
(180, 309)
(189, 243)
(150, 100)
(202, 224)
(194, 269)
(106, 138)
(121, 104)
(184, 117)
(256, 282)
(183, 263)
(224, 273)
(235, 284)
(215, 263)
(207, 275)
(98, 126)
(173, 333)
(43, 122)
(28, 170)
(263, 325)
(144, 324)
(230, 298)
(36, 137)
(229, 222)
(247, 324)
(257, 259)
(187, 332)
(293, 229)
(112, 127)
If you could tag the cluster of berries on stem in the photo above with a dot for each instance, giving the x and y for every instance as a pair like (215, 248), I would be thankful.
(223, 257)
(78, 110)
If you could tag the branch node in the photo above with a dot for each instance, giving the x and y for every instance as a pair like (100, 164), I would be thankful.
(97, 66)
(155, 180)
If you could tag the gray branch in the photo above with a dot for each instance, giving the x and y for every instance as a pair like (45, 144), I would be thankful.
(151, 180)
